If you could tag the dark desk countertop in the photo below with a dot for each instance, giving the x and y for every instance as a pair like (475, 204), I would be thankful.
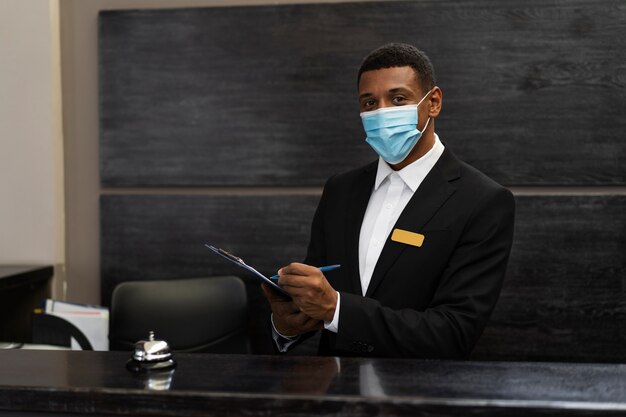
(98, 383)
(12, 276)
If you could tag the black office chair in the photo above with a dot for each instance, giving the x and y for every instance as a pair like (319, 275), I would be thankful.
(192, 315)
(49, 329)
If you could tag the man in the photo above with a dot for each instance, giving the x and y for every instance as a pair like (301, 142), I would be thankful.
(423, 239)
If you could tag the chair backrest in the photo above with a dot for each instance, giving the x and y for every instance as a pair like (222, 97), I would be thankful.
(192, 315)
(49, 329)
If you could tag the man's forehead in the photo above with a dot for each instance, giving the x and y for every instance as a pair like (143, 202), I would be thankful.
(389, 78)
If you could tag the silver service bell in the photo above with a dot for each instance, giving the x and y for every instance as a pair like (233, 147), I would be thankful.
(150, 356)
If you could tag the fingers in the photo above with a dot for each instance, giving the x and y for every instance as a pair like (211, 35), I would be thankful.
(309, 286)
(296, 268)
(314, 279)
(296, 323)
(295, 281)
(288, 318)
(267, 292)
(285, 308)
(317, 299)
(278, 304)
(301, 323)
(311, 294)
(271, 295)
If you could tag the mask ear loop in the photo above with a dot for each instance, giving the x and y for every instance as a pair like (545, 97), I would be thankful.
(424, 98)
(425, 126)
(418, 105)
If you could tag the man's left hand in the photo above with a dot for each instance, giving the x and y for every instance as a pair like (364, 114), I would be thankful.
(309, 290)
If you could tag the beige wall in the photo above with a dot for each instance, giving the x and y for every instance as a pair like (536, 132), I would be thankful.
(80, 104)
(31, 147)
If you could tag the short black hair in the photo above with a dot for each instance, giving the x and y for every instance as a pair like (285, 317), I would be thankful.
(401, 55)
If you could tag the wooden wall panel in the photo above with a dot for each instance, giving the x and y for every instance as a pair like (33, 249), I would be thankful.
(564, 296)
(534, 91)
(162, 237)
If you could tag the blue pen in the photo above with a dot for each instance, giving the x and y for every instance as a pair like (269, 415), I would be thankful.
(321, 268)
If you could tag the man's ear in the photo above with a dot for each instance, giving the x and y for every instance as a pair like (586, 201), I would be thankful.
(435, 99)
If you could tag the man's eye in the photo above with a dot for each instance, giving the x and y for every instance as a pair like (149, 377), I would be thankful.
(398, 99)
(369, 103)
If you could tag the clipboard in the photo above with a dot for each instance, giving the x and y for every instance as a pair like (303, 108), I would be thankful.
(239, 262)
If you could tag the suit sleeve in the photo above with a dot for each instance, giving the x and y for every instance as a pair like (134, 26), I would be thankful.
(463, 301)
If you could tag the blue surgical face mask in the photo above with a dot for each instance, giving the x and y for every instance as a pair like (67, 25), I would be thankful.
(392, 131)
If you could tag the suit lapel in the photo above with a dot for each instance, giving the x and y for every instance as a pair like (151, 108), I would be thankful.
(427, 200)
(357, 204)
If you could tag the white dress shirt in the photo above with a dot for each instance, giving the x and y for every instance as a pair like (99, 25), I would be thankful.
(390, 195)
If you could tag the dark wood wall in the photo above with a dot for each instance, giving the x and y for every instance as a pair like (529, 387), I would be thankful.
(222, 124)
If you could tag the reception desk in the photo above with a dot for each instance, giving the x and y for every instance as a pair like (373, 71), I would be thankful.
(37, 383)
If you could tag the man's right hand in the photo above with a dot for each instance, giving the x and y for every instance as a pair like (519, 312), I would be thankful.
(288, 319)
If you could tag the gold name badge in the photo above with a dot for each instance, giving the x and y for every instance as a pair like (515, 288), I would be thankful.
(408, 238)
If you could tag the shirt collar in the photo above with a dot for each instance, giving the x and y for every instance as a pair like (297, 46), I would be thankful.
(414, 173)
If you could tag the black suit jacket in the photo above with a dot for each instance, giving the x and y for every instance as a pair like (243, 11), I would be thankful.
(431, 301)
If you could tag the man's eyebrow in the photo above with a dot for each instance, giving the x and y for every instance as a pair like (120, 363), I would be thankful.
(400, 89)
(391, 90)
